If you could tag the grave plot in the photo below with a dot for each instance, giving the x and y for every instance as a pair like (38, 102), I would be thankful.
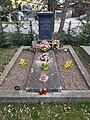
(52, 79)
(15, 74)
(73, 78)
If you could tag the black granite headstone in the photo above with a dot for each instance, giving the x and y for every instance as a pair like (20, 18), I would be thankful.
(45, 26)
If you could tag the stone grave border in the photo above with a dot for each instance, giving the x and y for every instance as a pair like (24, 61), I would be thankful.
(64, 95)
(86, 54)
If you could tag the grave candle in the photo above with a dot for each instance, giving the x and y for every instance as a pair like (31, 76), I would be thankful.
(44, 91)
(40, 91)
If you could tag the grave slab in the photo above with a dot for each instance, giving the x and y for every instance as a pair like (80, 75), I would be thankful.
(53, 82)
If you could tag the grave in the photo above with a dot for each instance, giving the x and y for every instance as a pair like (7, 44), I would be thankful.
(52, 84)
(45, 26)
(7, 94)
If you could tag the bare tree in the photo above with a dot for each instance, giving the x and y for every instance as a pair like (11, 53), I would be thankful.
(51, 7)
(63, 17)
(5, 5)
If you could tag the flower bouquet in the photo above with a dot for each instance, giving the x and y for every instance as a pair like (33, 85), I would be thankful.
(45, 65)
(53, 44)
(43, 46)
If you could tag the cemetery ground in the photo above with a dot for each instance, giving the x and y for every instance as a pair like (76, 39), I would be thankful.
(82, 58)
(45, 111)
(41, 110)
(18, 75)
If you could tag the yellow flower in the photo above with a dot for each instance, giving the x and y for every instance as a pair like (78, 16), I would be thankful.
(22, 62)
(68, 64)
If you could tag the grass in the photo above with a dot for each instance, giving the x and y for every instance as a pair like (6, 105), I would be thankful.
(4, 22)
(5, 56)
(13, 22)
(82, 58)
(45, 111)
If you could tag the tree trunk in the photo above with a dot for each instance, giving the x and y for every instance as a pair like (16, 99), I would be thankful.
(51, 7)
(1, 28)
(63, 17)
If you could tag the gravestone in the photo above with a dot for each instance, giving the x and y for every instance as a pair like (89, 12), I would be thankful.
(45, 26)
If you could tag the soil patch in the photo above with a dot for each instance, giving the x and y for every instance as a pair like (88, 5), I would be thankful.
(18, 74)
(71, 78)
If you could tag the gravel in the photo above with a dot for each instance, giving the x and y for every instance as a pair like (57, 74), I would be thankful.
(71, 78)
(18, 74)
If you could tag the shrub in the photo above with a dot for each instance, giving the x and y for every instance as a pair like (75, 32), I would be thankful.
(4, 42)
(74, 38)
(21, 39)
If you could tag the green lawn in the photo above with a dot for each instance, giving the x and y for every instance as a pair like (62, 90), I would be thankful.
(45, 111)
(5, 56)
(8, 22)
(82, 58)
(13, 22)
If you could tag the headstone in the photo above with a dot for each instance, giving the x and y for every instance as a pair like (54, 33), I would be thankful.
(45, 26)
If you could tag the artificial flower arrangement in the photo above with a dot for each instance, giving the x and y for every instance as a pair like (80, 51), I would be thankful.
(43, 46)
(67, 64)
(45, 65)
(53, 44)
(44, 57)
(22, 62)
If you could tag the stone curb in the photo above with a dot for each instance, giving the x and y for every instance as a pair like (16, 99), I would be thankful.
(63, 96)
